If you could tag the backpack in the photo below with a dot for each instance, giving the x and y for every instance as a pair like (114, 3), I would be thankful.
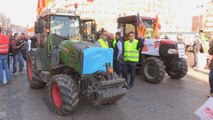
(10, 48)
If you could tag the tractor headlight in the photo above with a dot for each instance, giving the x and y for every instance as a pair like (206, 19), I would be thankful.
(172, 51)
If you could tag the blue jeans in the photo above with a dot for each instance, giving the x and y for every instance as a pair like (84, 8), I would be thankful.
(118, 67)
(129, 66)
(4, 66)
(18, 57)
(211, 80)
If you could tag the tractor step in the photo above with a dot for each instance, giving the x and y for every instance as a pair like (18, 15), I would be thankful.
(45, 76)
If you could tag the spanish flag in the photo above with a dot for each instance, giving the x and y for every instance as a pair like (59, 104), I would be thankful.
(156, 34)
(41, 5)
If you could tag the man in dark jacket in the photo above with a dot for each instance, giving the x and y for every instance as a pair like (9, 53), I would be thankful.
(25, 45)
(17, 56)
(118, 53)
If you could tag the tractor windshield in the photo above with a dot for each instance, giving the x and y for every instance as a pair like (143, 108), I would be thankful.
(65, 27)
(149, 24)
(88, 28)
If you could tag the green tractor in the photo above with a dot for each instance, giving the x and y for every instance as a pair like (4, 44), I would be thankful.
(69, 66)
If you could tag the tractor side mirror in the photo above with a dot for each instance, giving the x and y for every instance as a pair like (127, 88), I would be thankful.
(39, 26)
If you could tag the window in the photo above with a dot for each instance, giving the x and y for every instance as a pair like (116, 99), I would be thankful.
(130, 28)
(65, 27)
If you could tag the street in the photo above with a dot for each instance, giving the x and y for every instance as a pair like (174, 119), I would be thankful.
(169, 100)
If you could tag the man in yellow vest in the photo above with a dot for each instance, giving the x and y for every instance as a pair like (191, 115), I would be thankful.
(131, 58)
(103, 42)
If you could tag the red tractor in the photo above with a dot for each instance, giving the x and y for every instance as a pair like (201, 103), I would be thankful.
(158, 56)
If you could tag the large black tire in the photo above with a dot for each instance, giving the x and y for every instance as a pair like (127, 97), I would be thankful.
(33, 77)
(64, 94)
(153, 70)
(180, 72)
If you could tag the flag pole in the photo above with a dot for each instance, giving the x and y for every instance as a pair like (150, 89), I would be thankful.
(82, 7)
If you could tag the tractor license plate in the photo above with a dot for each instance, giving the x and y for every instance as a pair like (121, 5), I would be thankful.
(181, 51)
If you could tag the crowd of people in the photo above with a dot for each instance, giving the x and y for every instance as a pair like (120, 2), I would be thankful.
(12, 47)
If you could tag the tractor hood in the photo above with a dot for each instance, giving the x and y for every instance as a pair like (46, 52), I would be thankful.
(84, 57)
(164, 48)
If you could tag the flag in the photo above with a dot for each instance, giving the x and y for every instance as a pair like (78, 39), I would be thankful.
(141, 29)
(157, 25)
(41, 5)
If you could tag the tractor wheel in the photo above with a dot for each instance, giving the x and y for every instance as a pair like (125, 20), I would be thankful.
(180, 72)
(64, 94)
(153, 70)
(33, 80)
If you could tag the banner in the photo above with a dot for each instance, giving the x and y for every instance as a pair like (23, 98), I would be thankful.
(205, 112)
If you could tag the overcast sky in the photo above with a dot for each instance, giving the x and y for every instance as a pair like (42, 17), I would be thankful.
(23, 12)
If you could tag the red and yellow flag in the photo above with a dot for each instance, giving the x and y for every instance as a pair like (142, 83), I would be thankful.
(156, 34)
(41, 5)
(141, 29)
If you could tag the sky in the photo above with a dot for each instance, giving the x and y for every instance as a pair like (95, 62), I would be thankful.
(23, 12)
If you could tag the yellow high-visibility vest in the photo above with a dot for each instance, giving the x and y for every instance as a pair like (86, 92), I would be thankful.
(130, 51)
(114, 43)
(103, 43)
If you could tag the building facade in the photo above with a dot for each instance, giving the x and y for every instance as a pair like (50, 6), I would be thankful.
(5, 23)
(170, 13)
(205, 20)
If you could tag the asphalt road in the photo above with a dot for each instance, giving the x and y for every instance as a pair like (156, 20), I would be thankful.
(169, 100)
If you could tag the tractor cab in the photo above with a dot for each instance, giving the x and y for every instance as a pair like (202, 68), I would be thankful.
(129, 23)
(57, 26)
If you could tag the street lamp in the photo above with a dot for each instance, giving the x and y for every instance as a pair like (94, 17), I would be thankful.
(76, 6)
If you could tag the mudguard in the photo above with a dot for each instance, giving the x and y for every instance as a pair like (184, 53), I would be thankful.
(39, 58)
